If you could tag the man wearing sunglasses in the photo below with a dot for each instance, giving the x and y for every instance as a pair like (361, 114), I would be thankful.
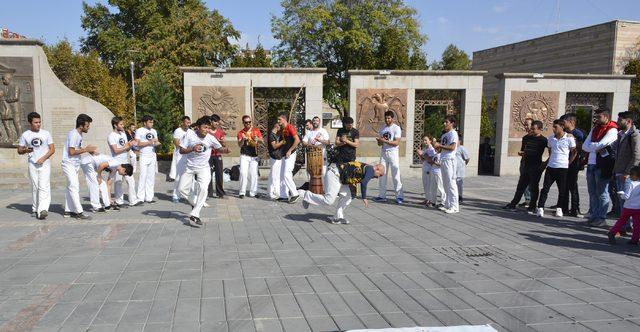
(248, 139)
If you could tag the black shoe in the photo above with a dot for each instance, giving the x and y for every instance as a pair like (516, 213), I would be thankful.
(171, 180)
(112, 208)
(612, 238)
(282, 199)
(257, 196)
(524, 205)
(531, 210)
(67, 214)
(632, 243)
(553, 207)
(294, 199)
(460, 199)
(195, 221)
(305, 204)
(509, 207)
(241, 196)
(138, 203)
(152, 202)
(43, 215)
(612, 214)
(81, 216)
(99, 210)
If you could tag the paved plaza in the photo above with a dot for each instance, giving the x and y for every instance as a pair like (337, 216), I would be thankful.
(258, 265)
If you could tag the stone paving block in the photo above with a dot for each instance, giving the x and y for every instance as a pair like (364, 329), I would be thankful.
(553, 297)
(278, 285)
(268, 325)
(295, 325)
(537, 315)
(212, 288)
(162, 311)
(214, 326)
(507, 300)
(256, 286)
(374, 321)
(212, 310)
(561, 327)
(310, 305)
(241, 325)
(583, 312)
(612, 326)
(234, 288)
(594, 295)
(75, 293)
(136, 312)
(237, 308)
(187, 310)
(83, 314)
(57, 315)
(262, 307)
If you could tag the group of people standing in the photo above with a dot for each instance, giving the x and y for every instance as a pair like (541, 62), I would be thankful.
(610, 153)
(198, 151)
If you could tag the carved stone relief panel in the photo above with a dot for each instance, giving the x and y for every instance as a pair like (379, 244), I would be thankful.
(16, 97)
(227, 102)
(373, 103)
(537, 105)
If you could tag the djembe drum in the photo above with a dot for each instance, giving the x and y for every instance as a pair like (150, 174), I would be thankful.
(314, 167)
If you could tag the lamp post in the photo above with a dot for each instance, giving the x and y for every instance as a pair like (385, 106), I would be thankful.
(133, 88)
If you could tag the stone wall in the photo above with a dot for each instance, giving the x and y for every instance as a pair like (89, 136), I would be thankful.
(544, 98)
(56, 103)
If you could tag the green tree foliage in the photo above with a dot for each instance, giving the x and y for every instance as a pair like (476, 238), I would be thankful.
(88, 76)
(633, 68)
(453, 58)
(251, 58)
(159, 36)
(158, 99)
(488, 113)
(346, 34)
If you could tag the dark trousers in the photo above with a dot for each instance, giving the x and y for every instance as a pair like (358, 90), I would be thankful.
(529, 177)
(559, 176)
(572, 189)
(215, 162)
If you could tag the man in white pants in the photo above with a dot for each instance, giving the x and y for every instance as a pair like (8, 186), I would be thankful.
(462, 158)
(318, 137)
(248, 139)
(338, 179)
(389, 140)
(448, 144)
(91, 178)
(196, 145)
(275, 142)
(178, 162)
(71, 165)
(147, 140)
(100, 163)
(178, 133)
(289, 160)
(120, 148)
(38, 144)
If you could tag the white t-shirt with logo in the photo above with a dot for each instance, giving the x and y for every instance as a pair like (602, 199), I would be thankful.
(119, 139)
(427, 153)
(437, 158)
(390, 133)
(560, 150)
(38, 141)
(199, 159)
(145, 135)
(310, 138)
(103, 158)
(461, 165)
(447, 139)
(178, 134)
(74, 140)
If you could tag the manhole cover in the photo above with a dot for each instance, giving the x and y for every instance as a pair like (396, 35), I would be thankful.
(475, 254)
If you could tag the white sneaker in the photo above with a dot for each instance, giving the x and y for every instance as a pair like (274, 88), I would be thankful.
(450, 211)
(206, 205)
(559, 213)
(540, 212)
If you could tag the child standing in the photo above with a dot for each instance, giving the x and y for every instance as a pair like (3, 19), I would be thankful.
(462, 159)
(426, 167)
(631, 208)
(435, 180)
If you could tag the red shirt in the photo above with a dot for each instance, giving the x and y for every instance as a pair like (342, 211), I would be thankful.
(219, 135)
(290, 130)
(253, 133)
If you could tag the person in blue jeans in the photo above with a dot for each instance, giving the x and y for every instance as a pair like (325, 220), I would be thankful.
(600, 165)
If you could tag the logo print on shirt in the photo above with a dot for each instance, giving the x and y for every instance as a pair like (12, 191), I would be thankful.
(386, 135)
(149, 136)
(201, 149)
(121, 141)
(36, 142)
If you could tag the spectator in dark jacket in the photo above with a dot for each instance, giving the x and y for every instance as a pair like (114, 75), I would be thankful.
(628, 150)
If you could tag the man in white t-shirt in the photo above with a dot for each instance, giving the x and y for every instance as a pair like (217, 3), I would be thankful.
(462, 159)
(177, 161)
(317, 137)
(389, 140)
(147, 141)
(100, 163)
(120, 147)
(38, 144)
(196, 147)
(449, 144)
(562, 152)
(71, 158)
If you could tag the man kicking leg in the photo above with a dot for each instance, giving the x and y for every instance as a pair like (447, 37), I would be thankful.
(337, 180)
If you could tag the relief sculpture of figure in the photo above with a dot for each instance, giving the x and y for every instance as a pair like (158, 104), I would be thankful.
(10, 110)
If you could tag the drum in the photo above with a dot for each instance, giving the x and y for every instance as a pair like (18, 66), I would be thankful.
(314, 167)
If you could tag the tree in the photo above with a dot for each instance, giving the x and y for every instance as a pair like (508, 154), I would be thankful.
(453, 58)
(488, 113)
(633, 68)
(87, 75)
(158, 99)
(251, 58)
(347, 34)
(159, 36)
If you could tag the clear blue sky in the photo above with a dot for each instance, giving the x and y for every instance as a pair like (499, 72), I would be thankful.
(470, 24)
